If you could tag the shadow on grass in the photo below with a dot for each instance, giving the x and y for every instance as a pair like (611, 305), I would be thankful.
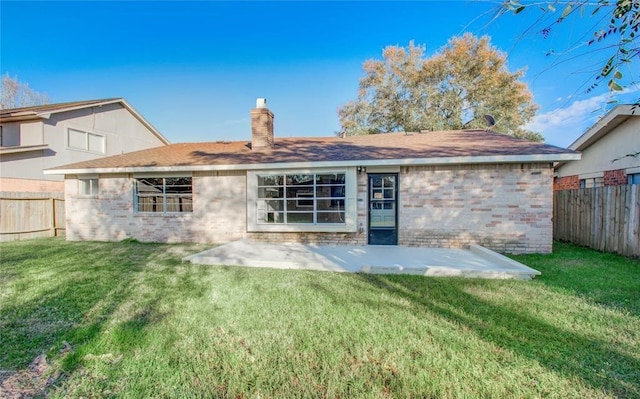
(83, 287)
(596, 362)
(603, 278)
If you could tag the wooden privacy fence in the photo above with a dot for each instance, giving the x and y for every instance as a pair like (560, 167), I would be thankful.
(31, 215)
(603, 218)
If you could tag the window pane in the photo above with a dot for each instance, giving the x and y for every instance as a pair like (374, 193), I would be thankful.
(150, 186)
(300, 204)
(331, 217)
(270, 192)
(179, 203)
(85, 187)
(297, 192)
(96, 143)
(171, 194)
(306, 217)
(178, 184)
(270, 180)
(300, 180)
(150, 204)
(330, 205)
(271, 205)
(77, 139)
(94, 187)
(332, 178)
(330, 191)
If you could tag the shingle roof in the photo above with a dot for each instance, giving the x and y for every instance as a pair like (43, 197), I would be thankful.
(46, 108)
(379, 147)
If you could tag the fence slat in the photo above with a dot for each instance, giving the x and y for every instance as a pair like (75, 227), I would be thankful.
(603, 218)
(31, 215)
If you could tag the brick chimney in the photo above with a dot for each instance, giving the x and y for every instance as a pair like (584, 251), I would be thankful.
(261, 126)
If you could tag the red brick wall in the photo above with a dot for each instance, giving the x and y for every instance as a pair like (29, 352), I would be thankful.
(615, 177)
(566, 183)
(31, 186)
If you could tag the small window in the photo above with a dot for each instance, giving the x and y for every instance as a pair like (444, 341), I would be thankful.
(592, 182)
(164, 194)
(88, 187)
(85, 141)
(634, 178)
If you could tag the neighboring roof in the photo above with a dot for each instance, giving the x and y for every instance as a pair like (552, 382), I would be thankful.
(607, 123)
(23, 148)
(614, 118)
(460, 146)
(45, 111)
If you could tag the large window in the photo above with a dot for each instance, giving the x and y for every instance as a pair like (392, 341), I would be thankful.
(309, 198)
(80, 140)
(164, 194)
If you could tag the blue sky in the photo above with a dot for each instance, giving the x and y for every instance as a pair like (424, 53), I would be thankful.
(194, 69)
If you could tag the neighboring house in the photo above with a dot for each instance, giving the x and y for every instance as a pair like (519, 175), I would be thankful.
(604, 147)
(40, 137)
(451, 189)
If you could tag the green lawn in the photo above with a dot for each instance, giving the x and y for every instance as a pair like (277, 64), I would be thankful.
(142, 324)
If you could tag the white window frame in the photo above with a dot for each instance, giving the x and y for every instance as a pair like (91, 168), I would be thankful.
(136, 204)
(92, 183)
(87, 136)
(350, 203)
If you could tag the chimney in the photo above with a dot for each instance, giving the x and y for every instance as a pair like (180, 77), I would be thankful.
(261, 126)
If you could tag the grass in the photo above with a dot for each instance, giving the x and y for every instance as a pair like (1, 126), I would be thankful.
(142, 324)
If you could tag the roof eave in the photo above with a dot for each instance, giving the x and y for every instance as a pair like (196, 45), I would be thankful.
(487, 159)
(601, 128)
(30, 115)
(26, 148)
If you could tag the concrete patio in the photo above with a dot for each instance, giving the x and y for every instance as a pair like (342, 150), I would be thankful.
(476, 261)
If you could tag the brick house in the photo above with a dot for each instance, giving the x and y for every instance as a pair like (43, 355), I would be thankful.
(603, 147)
(451, 188)
(40, 137)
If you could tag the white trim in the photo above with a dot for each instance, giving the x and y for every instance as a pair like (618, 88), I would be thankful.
(162, 174)
(87, 133)
(607, 123)
(632, 171)
(487, 159)
(24, 148)
(592, 175)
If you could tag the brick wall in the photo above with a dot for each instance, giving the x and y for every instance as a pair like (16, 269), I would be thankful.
(261, 129)
(31, 186)
(566, 183)
(616, 177)
(219, 215)
(503, 207)
(507, 208)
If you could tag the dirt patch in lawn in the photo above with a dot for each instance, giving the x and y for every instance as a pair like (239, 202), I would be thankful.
(30, 382)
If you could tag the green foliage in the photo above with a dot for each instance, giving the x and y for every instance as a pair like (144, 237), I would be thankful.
(620, 24)
(453, 89)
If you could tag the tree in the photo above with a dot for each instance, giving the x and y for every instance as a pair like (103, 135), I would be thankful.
(14, 94)
(454, 89)
(615, 39)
